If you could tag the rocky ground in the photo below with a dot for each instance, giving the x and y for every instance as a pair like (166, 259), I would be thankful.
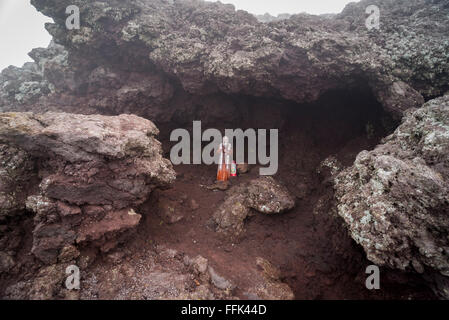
(363, 156)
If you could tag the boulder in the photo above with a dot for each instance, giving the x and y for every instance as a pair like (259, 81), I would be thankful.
(263, 194)
(395, 199)
(268, 196)
(230, 216)
(94, 170)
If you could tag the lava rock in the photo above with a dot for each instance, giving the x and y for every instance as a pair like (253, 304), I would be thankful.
(263, 194)
(16, 176)
(230, 216)
(87, 164)
(400, 65)
(242, 168)
(268, 196)
(395, 199)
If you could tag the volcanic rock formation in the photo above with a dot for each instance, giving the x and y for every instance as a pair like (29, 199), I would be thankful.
(71, 179)
(395, 199)
(93, 171)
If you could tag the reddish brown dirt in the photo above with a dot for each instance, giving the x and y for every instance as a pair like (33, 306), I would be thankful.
(317, 259)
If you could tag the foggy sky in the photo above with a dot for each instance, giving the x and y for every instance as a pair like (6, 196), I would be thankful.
(22, 26)
(274, 7)
(21, 29)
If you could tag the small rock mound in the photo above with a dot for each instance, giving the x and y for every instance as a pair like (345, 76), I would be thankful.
(269, 197)
(16, 173)
(263, 194)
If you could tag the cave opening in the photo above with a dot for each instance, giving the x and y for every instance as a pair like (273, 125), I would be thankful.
(317, 258)
(341, 123)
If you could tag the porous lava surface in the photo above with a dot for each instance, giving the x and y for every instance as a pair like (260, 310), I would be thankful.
(262, 194)
(81, 176)
(153, 58)
(85, 180)
(395, 198)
